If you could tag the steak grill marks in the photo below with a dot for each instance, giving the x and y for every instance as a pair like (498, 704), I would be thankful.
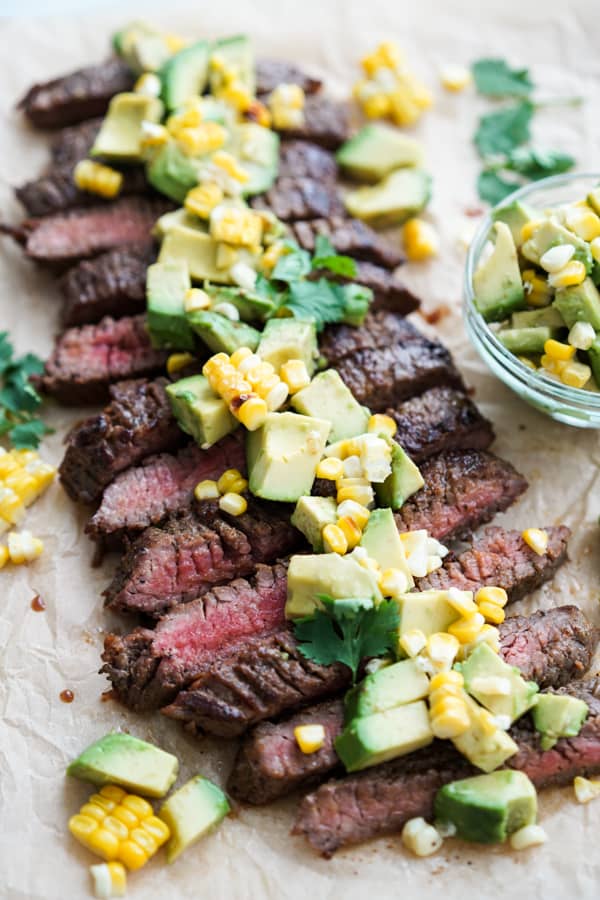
(350, 237)
(326, 122)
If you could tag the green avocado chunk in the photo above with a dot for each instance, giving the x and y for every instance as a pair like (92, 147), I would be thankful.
(257, 149)
(404, 480)
(337, 576)
(311, 515)
(556, 716)
(382, 542)
(251, 306)
(497, 282)
(177, 217)
(579, 303)
(197, 250)
(488, 808)
(287, 338)
(551, 234)
(327, 397)
(171, 172)
(487, 751)
(376, 150)
(185, 74)
(427, 611)
(220, 334)
(534, 318)
(481, 671)
(515, 215)
(526, 340)
(166, 284)
(120, 135)
(235, 53)
(403, 682)
(199, 411)
(594, 359)
(191, 812)
(593, 200)
(374, 739)
(400, 196)
(119, 758)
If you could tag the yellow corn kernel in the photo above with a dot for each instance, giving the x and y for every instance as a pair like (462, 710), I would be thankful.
(202, 199)
(420, 240)
(487, 721)
(528, 836)
(421, 838)
(132, 855)
(295, 375)
(190, 117)
(23, 484)
(272, 255)
(309, 738)
(202, 139)
(23, 547)
(8, 463)
(234, 504)
(376, 106)
(334, 540)
(153, 135)
(529, 228)
(461, 601)
(149, 84)
(237, 95)
(109, 880)
(121, 813)
(290, 96)
(467, 628)
(351, 531)
(4, 555)
(259, 372)
(404, 110)
(216, 364)
(231, 166)
(451, 720)
(557, 350)
(240, 227)
(196, 299)
(490, 594)
(492, 612)
(583, 222)
(443, 679)
(382, 424)
(575, 374)
(393, 582)
(207, 490)
(241, 354)
(265, 385)
(413, 641)
(442, 649)
(137, 805)
(455, 78)
(113, 793)
(554, 366)
(537, 539)
(178, 361)
(252, 413)
(259, 113)
(229, 480)
(359, 513)
(96, 178)
(571, 274)
(586, 789)
(103, 802)
(330, 468)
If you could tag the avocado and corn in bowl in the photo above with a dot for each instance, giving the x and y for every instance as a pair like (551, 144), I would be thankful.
(532, 299)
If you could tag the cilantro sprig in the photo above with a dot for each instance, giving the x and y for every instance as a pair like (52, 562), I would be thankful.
(19, 400)
(347, 631)
(495, 78)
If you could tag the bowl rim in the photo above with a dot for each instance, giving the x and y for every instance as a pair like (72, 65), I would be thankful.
(562, 393)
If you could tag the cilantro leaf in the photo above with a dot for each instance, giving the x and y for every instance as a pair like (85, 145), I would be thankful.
(502, 131)
(18, 397)
(292, 266)
(492, 188)
(27, 435)
(325, 257)
(534, 163)
(320, 301)
(495, 78)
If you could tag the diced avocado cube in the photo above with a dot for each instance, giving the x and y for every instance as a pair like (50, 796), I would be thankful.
(550, 234)
(534, 318)
(120, 135)
(311, 515)
(487, 751)
(488, 808)
(287, 338)
(192, 812)
(199, 411)
(327, 397)
(526, 340)
(119, 758)
(357, 300)
(251, 306)
(429, 611)
(283, 455)
(124, 39)
(404, 480)
(594, 359)
(166, 284)
(197, 250)
(403, 682)
(235, 53)
(337, 576)
(374, 739)
(497, 282)
(257, 149)
(480, 671)
(177, 217)
(171, 172)
(579, 303)
(143, 48)
(593, 200)
(376, 150)
(185, 74)
(515, 215)
(382, 542)
(400, 196)
(558, 715)
(220, 334)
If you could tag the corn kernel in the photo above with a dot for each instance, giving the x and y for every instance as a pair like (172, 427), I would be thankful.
(455, 78)
(196, 299)
(583, 222)
(96, 178)
(202, 199)
(295, 375)
(461, 601)
(442, 649)
(330, 468)
(582, 335)
(230, 165)
(334, 540)
(393, 582)
(452, 720)
(420, 240)
(420, 838)
(351, 530)
(238, 357)
(109, 880)
(528, 836)
(277, 396)
(228, 479)
(595, 248)
(23, 547)
(550, 364)
(309, 738)
(376, 106)
(382, 424)
(240, 227)
(404, 110)
(413, 641)
(586, 789)
(537, 539)
(132, 855)
(467, 628)
(113, 792)
(491, 594)
(272, 255)
(572, 274)
(557, 350)
(234, 504)
(207, 490)
(201, 139)
(576, 374)
(354, 489)
(443, 679)
(258, 112)
(529, 228)
(556, 258)
(360, 514)
(492, 612)
(153, 135)
(178, 361)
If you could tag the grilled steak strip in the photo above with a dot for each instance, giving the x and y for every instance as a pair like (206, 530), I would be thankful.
(501, 558)
(350, 237)
(271, 72)
(137, 421)
(301, 159)
(194, 551)
(56, 191)
(387, 360)
(389, 289)
(269, 763)
(326, 122)
(144, 495)
(87, 360)
(293, 198)
(76, 96)
(112, 284)
(440, 419)
(73, 143)
(380, 800)
(463, 490)
(147, 668)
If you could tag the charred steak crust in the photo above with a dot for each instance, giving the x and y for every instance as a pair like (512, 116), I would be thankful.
(442, 418)
(73, 143)
(380, 800)
(326, 122)
(301, 159)
(350, 237)
(112, 284)
(389, 289)
(76, 96)
(137, 421)
(463, 490)
(293, 198)
(272, 72)
(87, 360)
(147, 668)
(501, 558)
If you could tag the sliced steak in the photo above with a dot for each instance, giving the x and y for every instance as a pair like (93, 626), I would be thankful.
(56, 191)
(326, 122)
(350, 237)
(73, 143)
(387, 360)
(380, 800)
(147, 668)
(144, 495)
(271, 72)
(137, 422)
(76, 96)
(293, 198)
(442, 418)
(301, 159)
(269, 763)
(87, 360)
(463, 490)
(260, 679)
(389, 289)
(112, 284)
(501, 558)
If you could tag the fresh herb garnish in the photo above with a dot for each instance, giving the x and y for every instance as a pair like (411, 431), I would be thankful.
(325, 257)
(19, 400)
(293, 265)
(492, 188)
(347, 631)
(495, 78)
(534, 163)
(502, 131)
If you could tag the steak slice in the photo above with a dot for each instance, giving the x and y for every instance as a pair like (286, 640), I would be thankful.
(76, 96)
(271, 72)
(326, 122)
(87, 360)
(137, 421)
(144, 495)
(269, 763)
(293, 198)
(463, 490)
(442, 418)
(380, 800)
(389, 289)
(73, 143)
(56, 191)
(261, 678)
(147, 668)
(501, 558)
(301, 159)
(387, 360)
(112, 284)
(350, 237)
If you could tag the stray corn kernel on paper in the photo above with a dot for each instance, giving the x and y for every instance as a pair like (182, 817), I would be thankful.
(252, 856)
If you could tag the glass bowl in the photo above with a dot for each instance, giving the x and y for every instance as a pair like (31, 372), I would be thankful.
(573, 406)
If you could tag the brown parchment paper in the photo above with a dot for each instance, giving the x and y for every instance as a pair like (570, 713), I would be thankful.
(252, 854)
